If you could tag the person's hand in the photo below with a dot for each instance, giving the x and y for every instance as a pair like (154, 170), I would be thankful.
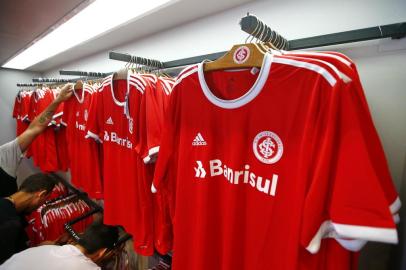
(66, 93)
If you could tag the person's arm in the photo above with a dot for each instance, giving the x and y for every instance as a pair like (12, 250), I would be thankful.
(40, 123)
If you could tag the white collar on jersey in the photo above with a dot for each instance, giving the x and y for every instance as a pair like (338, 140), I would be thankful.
(85, 87)
(244, 99)
(119, 103)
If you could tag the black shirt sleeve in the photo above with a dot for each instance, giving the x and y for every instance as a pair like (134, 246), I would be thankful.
(9, 239)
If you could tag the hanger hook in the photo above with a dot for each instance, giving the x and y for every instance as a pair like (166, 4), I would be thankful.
(265, 35)
(258, 35)
(284, 43)
(264, 32)
(255, 30)
(280, 42)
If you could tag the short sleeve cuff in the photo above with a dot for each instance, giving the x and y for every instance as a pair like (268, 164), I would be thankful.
(151, 157)
(360, 234)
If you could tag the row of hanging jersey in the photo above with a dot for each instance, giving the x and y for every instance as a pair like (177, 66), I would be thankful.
(47, 222)
(126, 118)
(289, 174)
(84, 155)
(44, 151)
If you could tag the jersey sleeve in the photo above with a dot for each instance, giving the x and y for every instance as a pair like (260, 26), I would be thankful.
(345, 199)
(164, 181)
(25, 107)
(32, 112)
(153, 124)
(165, 174)
(17, 107)
(94, 122)
(375, 147)
(66, 112)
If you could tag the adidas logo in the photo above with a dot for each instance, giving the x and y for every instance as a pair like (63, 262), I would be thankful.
(109, 121)
(199, 140)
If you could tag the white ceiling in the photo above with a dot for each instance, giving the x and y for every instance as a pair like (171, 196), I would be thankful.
(22, 21)
(175, 14)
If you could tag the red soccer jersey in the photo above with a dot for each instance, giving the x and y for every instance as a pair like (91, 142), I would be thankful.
(16, 112)
(83, 154)
(44, 148)
(115, 123)
(151, 112)
(25, 105)
(20, 111)
(268, 172)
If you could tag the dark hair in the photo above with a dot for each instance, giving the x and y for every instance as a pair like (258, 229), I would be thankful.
(38, 182)
(99, 236)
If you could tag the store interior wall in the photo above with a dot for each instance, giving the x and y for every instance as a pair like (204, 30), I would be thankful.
(381, 65)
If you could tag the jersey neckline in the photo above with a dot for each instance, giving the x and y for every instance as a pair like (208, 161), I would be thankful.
(82, 98)
(244, 99)
(119, 103)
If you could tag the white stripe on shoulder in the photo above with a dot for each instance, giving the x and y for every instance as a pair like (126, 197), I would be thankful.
(341, 55)
(168, 85)
(329, 78)
(136, 80)
(140, 78)
(184, 75)
(339, 58)
(339, 74)
(88, 88)
(101, 88)
(185, 70)
(136, 86)
(151, 77)
(107, 79)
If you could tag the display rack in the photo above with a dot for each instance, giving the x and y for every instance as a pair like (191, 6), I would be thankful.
(84, 73)
(256, 28)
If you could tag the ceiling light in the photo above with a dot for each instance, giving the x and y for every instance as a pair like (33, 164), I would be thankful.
(96, 19)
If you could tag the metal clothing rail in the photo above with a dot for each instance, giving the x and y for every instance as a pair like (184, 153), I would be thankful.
(84, 73)
(136, 60)
(28, 84)
(54, 80)
(253, 26)
(165, 65)
(250, 24)
(256, 28)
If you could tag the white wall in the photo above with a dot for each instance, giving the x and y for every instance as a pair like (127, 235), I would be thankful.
(292, 18)
(381, 63)
(8, 90)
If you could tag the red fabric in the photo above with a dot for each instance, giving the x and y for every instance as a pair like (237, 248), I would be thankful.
(115, 122)
(83, 154)
(338, 257)
(62, 148)
(371, 137)
(47, 222)
(43, 147)
(229, 196)
(20, 111)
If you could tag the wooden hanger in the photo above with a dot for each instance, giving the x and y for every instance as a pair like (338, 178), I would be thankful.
(251, 50)
(78, 85)
(121, 74)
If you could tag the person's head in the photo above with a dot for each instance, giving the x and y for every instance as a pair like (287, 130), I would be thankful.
(34, 191)
(98, 239)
